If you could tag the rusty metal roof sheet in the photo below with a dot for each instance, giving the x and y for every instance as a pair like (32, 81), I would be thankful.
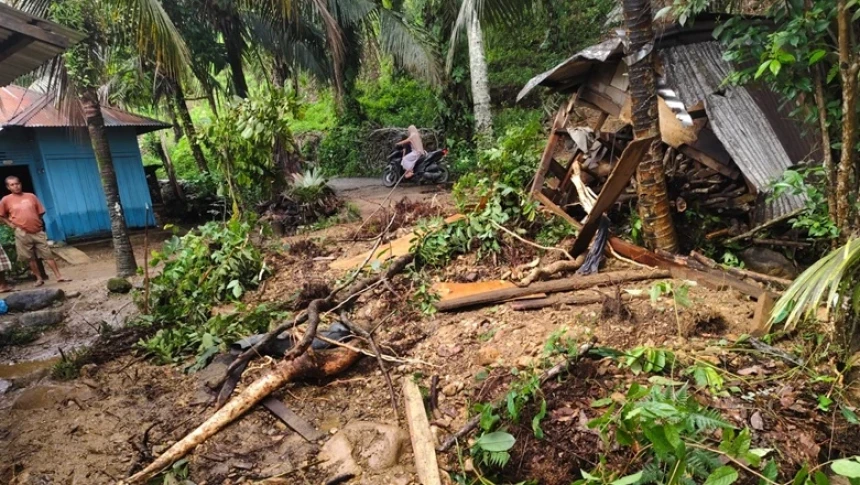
(27, 42)
(29, 109)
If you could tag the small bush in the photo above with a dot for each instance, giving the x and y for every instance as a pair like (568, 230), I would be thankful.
(340, 151)
(213, 265)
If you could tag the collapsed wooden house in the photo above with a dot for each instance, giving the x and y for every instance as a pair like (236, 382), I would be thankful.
(726, 144)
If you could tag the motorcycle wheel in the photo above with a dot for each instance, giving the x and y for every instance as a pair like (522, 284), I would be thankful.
(389, 177)
(443, 176)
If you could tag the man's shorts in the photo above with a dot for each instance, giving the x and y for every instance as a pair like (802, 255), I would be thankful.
(28, 245)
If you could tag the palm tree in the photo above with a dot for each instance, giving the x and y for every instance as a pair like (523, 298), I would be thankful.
(658, 228)
(471, 15)
(108, 24)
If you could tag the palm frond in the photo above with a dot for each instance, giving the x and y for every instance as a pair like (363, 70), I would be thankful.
(350, 12)
(409, 47)
(487, 11)
(155, 33)
(821, 284)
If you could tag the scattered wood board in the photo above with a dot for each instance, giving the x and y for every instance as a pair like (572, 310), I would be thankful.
(394, 249)
(452, 291)
(72, 255)
(423, 448)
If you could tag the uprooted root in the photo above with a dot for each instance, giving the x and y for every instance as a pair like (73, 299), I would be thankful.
(552, 270)
(307, 365)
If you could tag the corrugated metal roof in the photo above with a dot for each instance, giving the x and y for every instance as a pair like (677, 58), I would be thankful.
(761, 139)
(750, 139)
(27, 42)
(697, 72)
(26, 108)
(575, 66)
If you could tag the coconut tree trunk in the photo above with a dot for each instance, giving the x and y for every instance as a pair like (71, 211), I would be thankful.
(235, 46)
(188, 126)
(480, 80)
(161, 149)
(123, 252)
(848, 70)
(658, 228)
(174, 123)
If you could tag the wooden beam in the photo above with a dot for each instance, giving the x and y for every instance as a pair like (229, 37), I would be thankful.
(559, 123)
(709, 162)
(37, 33)
(601, 101)
(615, 184)
(14, 44)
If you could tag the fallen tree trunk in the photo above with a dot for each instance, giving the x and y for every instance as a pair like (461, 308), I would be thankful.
(548, 374)
(525, 305)
(306, 365)
(555, 286)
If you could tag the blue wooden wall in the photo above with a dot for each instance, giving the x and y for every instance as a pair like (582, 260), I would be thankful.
(66, 179)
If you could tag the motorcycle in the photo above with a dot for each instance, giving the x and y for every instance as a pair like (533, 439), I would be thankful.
(429, 168)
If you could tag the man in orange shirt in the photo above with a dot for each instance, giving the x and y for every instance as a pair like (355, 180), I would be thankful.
(23, 212)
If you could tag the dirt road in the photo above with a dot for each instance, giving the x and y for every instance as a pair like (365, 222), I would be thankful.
(369, 193)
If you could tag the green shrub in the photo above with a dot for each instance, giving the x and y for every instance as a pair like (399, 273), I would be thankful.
(319, 114)
(340, 151)
(399, 103)
(213, 265)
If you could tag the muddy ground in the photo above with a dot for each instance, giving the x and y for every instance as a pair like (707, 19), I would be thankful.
(118, 415)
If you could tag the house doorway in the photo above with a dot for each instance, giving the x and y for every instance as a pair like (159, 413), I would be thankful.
(23, 174)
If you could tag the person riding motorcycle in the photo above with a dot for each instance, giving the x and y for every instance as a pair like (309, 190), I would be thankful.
(413, 139)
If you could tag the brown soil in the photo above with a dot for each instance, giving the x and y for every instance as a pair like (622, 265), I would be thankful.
(122, 412)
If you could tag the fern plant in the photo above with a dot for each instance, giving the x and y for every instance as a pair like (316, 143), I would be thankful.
(672, 426)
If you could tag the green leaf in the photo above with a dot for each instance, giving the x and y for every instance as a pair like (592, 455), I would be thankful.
(724, 475)
(496, 441)
(824, 402)
(849, 415)
(816, 56)
(775, 66)
(821, 478)
(602, 403)
(628, 480)
(761, 69)
(846, 468)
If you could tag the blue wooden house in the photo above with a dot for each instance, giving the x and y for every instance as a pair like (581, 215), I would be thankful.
(54, 159)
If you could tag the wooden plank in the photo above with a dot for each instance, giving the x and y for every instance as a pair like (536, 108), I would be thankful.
(600, 121)
(393, 249)
(707, 142)
(423, 448)
(672, 131)
(37, 33)
(72, 255)
(709, 162)
(293, 420)
(452, 291)
(555, 286)
(615, 184)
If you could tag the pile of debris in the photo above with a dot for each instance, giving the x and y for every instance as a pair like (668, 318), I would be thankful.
(725, 145)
